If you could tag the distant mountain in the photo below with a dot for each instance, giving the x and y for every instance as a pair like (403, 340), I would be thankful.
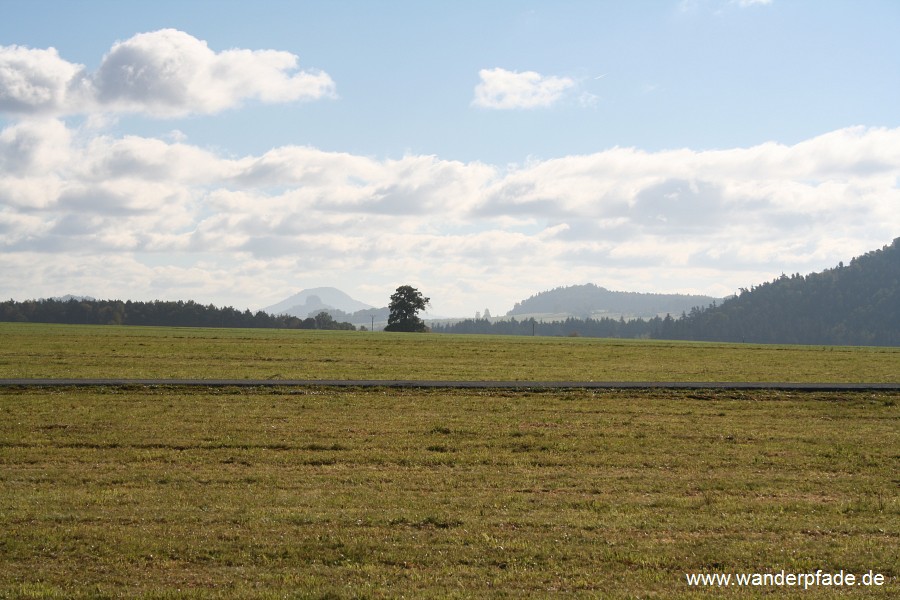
(68, 297)
(591, 301)
(855, 304)
(315, 300)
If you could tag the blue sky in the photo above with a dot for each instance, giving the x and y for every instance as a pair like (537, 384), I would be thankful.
(237, 152)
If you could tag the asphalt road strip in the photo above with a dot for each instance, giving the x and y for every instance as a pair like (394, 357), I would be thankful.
(412, 383)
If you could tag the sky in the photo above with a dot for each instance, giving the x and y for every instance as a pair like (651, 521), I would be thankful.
(235, 153)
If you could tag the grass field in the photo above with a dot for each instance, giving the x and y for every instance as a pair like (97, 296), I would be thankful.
(165, 492)
(176, 492)
(36, 350)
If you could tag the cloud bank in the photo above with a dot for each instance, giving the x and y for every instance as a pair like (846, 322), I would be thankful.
(137, 217)
(165, 73)
(142, 217)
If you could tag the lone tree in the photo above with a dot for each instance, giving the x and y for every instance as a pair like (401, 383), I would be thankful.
(405, 303)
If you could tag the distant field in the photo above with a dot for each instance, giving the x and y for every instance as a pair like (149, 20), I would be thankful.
(325, 493)
(72, 351)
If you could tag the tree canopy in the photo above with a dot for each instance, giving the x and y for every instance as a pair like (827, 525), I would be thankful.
(158, 313)
(405, 305)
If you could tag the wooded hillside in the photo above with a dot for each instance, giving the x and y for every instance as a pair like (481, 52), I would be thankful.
(856, 304)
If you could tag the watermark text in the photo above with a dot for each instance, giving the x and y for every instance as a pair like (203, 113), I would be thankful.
(786, 579)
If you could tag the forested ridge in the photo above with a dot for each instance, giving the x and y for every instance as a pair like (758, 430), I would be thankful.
(855, 304)
(582, 301)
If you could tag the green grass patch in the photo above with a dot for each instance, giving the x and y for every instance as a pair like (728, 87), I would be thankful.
(167, 492)
(73, 351)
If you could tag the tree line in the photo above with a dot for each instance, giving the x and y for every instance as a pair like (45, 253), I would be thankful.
(572, 326)
(158, 313)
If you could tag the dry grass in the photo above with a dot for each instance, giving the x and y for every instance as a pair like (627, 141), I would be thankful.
(34, 350)
(327, 493)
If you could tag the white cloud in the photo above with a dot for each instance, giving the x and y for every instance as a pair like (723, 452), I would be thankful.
(502, 89)
(165, 73)
(151, 213)
(35, 146)
(35, 81)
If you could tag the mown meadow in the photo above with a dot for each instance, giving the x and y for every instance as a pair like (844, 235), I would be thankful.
(322, 492)
(72, 351)
(164, 492)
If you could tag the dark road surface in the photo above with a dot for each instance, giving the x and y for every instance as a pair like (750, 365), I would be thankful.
(409, 383)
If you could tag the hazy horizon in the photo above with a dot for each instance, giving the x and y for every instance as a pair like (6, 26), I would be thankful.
(236, 153)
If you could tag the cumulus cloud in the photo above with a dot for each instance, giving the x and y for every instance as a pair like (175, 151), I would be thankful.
(250, 229)
(165, 73)
(35, 146)
(35, 81)
(502, 89)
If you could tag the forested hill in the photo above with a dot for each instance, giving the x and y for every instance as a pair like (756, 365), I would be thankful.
(855, 304)
(589, 300)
